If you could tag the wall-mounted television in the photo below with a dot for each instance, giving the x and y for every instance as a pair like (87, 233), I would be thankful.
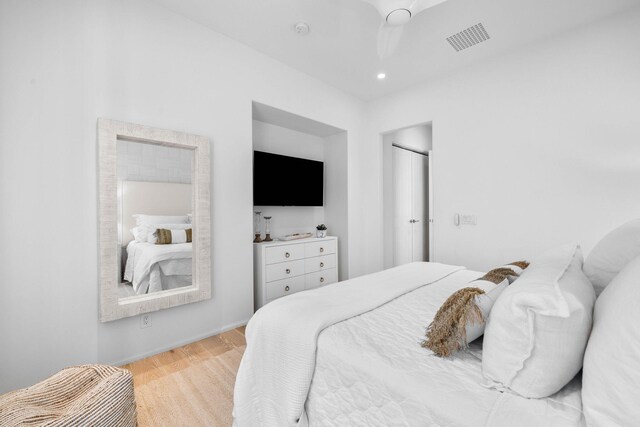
(287, 181)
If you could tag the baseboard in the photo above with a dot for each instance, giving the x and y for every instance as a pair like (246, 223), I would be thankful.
(178, 344)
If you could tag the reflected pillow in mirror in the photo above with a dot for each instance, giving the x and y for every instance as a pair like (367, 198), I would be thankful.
(139, 234)
(168, 237)
(150, 231)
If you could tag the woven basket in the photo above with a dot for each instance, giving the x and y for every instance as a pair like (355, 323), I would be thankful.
(88, 395)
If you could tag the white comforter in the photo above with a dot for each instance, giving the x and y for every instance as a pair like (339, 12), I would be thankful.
(351, 351)
(370, 370)
(277, 367)
(145, 259)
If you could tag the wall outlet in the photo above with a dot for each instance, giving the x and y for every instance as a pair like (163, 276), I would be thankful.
(468, 219)
(145, 321)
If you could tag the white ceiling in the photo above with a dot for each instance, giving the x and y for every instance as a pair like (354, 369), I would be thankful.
(341, 48)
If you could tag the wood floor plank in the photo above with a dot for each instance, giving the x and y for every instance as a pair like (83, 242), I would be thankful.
(191, 385)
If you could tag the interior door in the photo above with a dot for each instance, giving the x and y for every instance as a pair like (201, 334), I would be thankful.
(402, 177)
(411, 206)
(420, 206)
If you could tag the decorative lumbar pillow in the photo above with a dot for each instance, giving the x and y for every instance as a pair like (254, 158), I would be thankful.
(535, 339)
(517, 267)
(168, 237)
(461, 319)
(610, 376)
(497, 275)
(150, 232)
(612, 254)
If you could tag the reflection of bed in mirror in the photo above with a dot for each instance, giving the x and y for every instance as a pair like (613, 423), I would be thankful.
(153, 263)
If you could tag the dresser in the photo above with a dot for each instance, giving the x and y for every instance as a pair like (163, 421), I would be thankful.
(284, 268)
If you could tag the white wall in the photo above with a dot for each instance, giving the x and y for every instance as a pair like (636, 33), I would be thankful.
(280, 140)
(542, 144)
(64, 65)
(337, 197)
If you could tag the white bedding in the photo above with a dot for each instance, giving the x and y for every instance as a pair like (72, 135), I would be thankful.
(148, 266)
(371, 370)
(349, 354)
(276, 369)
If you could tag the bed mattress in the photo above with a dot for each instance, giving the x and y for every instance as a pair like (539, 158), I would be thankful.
(371, 371)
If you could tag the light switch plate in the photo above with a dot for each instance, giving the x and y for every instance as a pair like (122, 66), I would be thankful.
(468, 219)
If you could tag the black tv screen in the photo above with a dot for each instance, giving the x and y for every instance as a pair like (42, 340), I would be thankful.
(286, 181)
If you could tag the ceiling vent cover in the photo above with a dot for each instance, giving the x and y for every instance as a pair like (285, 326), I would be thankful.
(469, 37)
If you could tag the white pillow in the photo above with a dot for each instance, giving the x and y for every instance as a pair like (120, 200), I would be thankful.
(538, 329)
(612, 254)
(610, 377)
(160, 219)
(139, 234)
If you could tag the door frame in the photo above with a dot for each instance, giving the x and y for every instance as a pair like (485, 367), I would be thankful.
(387, 223)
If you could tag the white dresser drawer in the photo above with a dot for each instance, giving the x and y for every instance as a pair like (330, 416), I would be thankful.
(320, 278)
(284, 269)
(319, 263)
(280, 288)
(323, 247)
(283, 253)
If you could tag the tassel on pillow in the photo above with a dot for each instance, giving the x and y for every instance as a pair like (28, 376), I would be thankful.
(447, 333)
(462, 317)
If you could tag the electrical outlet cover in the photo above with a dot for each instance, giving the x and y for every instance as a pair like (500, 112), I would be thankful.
(145, 321)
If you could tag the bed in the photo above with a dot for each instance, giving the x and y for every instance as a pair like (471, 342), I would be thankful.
(330, 357)
(148, 267)
(153, 268)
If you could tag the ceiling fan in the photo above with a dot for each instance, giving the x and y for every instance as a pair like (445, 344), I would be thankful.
(396, 13)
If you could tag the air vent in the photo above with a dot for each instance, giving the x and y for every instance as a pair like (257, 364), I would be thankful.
(469, 37)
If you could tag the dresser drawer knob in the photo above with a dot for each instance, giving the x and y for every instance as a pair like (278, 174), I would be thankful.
(288, 271)
(321, 279)
(286, 288)
(322, 264)
(321, 249)
(287, 254)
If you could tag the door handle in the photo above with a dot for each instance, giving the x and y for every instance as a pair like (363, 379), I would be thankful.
(416, 220)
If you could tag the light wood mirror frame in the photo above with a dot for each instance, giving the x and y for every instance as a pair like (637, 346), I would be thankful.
(112, 306)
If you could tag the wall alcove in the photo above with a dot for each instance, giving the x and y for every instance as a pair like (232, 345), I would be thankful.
(281, 132)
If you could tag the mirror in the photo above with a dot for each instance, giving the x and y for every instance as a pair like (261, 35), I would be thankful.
(154, 219)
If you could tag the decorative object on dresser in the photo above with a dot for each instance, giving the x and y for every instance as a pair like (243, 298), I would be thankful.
(267, 229)
(256, 226)
(321, 231)
(286, 267)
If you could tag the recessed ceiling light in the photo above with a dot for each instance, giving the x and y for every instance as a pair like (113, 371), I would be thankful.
(302, 28)
(381, 76)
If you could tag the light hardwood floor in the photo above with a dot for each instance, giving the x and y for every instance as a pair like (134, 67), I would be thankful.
(191, 385)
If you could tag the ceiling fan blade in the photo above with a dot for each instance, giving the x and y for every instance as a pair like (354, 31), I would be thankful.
(419, 5)
(388, 39)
